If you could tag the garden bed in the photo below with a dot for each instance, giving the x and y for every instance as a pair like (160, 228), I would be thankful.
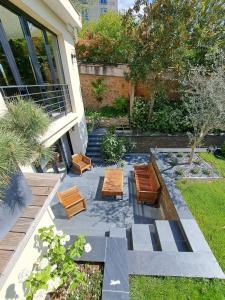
(176, 165)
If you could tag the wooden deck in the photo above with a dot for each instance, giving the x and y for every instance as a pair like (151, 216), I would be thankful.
(41, 186)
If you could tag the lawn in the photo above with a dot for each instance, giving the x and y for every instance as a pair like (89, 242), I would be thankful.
(206, 201)
(218, 164)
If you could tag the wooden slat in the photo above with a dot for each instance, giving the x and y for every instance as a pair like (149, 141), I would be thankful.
(40, 176)
(11, 241)
(41, 190)
(41, 182)
(5, 256)
(22, 225)
(31, 212)
(38, 200)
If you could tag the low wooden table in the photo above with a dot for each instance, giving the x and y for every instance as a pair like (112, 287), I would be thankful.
(113, 183)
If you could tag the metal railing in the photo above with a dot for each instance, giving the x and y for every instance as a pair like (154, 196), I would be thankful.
(53, 98)
(77, 5)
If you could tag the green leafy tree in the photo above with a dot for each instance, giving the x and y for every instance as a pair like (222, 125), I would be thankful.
(20, 129)
(204, 101)
(172, 34)
(98, 89)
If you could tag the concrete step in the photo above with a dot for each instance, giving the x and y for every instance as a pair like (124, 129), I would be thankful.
(165, 235)
(141, 238)
(93, 148)
(96, 138)
(194, 236)
(93, 154)
(117, 232)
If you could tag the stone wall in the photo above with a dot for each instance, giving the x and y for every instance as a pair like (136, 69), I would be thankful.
(117, 85)
(144, 143)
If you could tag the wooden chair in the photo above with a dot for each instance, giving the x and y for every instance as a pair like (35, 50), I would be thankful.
(72, 201)
(81, 163)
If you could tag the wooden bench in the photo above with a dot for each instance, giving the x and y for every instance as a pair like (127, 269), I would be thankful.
(147, 183)
(113, 183)
(81, 163)
(72, 201)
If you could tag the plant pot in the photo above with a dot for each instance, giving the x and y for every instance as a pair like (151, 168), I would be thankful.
(16, 196)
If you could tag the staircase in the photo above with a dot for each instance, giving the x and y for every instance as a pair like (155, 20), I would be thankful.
(94, 146)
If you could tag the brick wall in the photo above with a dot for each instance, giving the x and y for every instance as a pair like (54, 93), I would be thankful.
(117, 85)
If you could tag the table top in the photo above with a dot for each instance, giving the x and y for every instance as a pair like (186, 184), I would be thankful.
(113, 182)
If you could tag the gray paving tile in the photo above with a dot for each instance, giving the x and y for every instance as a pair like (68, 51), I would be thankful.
(165, 235)
(141, 237)
(108, 295)
(118, 232)
(98, 251)
(194, 236)
(116, 266)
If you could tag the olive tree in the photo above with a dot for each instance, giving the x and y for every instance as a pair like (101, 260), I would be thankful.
(205, 101)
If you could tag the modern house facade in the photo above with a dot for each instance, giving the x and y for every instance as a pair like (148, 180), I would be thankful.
(91, 10)
(38, 61)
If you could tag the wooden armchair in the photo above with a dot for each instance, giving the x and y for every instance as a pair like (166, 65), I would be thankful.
(72, 201)
(81, 163)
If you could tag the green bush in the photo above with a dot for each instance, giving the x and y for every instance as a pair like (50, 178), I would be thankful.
(179, 172)
(180, 154)
(206, 172)
(95, 121)
(139, 115)
(168, 116)
(114, 147)
(195, 170)
(120, 104)
(223, 150)
(105, 111)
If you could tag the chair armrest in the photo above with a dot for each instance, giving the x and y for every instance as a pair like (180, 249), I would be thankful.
(86, 159)
(76, 165)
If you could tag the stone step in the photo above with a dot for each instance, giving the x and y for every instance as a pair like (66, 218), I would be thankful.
(141, 238)
(117, 232)
(93, 148)
(165, 235)
(194, 236)
(116, 279)
(93, 154)
(95, 138)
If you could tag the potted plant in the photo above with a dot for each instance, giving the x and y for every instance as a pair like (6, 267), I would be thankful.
(20, 130)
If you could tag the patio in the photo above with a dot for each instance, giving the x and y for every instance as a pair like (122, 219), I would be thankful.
(104, 213)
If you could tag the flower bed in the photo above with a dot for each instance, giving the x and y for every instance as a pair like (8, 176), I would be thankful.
(176, 165)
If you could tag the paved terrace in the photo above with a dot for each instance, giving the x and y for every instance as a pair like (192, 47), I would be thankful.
(103, 214)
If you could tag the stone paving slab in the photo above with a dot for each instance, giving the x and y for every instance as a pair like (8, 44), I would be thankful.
(116, 267)
(194, 236)
(185, 264)
(118, 232)
(98, 249)
(166, 237)
(141, 237)
(108, 295)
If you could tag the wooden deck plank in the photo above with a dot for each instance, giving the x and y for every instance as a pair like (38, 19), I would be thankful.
(31, 212)
(38, 200)
(5, 256)
(42, 175)
(22, 225)
(41, 190)
(41, 182)
(11, 241)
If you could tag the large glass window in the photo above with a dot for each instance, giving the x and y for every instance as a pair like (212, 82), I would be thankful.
(39, 45)
(17, 42)
(6, 76)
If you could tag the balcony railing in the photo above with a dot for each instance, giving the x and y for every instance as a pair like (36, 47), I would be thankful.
(53, 98)
(77, 5)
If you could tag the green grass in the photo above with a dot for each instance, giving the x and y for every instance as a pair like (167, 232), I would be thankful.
(206, 201)
(218, 164)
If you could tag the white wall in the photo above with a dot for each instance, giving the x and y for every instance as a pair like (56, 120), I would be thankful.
(12, 288)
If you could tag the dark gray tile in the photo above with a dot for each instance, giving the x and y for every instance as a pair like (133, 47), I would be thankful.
(166, 237)
(108, 295)
(141, 237)
(98, 252)
(116, 266)
(118, 232)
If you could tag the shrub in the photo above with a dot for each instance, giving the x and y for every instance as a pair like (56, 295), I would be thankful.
(114, 147)
(179, 172)
(206, 172)
(55, 271)
(195, 170)
(95, 121)
(223, 150)
(197, 162)
(98, 89)
(180, 154)
(169, 155)
(168, 116)
(120, 104)
(139, 115)
(173, 161)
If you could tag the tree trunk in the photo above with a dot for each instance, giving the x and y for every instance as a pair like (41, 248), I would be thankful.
(132, 92)
(193, 147)
(152, 103)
